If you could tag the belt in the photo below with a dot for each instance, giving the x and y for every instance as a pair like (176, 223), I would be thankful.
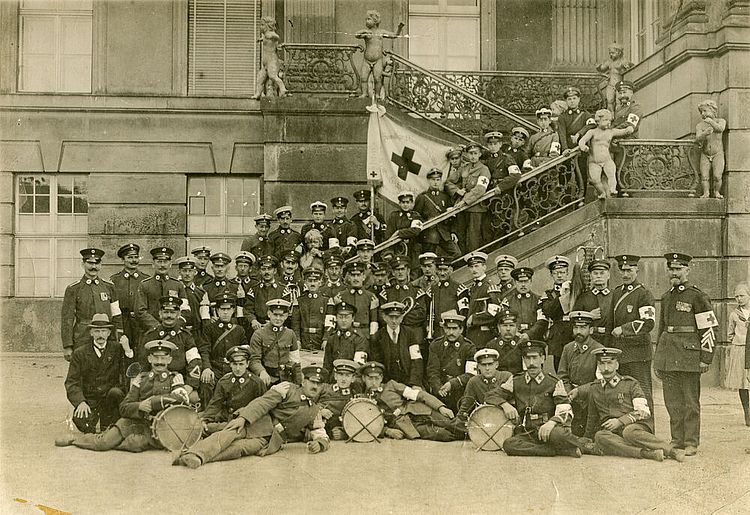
(600, 330)
(680, 329)
(312, 330)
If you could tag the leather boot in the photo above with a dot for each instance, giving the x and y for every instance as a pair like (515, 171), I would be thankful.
(745, 400)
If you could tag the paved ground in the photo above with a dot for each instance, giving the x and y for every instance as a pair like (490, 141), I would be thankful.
(391, 477)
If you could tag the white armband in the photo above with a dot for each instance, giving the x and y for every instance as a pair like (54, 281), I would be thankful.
(114, 308)
(414, 352)
(351, 240)
(647, 312)
(471, 367)
(493, 309)
(205, 312)
(554, 148)
(564, 411)
(527, 163)
(514, 170)
(185, 305)
(641, 404)
(373, 328)
(590, 121)
(416, 224)
(633, 119)
(360, 357)
(463, 303)
(294, 356)
(333, 242)
(410, 393)
(483, 181)
(329, 321)
(191, 354)
(705, 320)
(240, 312)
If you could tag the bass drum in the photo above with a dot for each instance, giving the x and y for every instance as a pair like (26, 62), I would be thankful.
(362, 420)
(488, 427)
(177, 428)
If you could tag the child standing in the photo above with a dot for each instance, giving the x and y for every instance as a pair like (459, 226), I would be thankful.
(599, 158)
(738, 363)
(374, 57)
(708, 136)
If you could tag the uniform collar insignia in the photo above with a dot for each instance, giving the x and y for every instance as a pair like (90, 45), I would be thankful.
(612, 382)
(356, 291)
(538, 378)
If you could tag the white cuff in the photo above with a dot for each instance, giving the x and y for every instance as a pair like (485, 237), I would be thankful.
(410, 393)
(294, 356)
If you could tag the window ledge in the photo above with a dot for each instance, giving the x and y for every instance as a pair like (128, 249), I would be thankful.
(87, 102)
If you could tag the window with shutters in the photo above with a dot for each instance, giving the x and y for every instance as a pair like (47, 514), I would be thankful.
(223, 52)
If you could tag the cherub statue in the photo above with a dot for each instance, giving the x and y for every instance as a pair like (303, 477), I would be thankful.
(270, 61)
(708, 136)
(374, 57)
(615, 68)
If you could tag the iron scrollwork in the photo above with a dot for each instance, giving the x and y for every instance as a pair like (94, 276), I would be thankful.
(321, 68)
(658, 166)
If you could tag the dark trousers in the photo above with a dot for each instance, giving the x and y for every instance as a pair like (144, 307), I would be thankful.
(127, 435)
(231, 445)
(634, 437)
(447, 248)
(105, 411)
(641, 371)
(682, 396)
(561, 442)
(580, 413)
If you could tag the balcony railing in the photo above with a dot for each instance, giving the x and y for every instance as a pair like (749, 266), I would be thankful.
(658, 167)
(321, 68)
(523, 92)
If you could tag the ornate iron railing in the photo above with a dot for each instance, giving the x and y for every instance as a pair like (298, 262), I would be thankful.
(445, 103)
(523, 92)
(657, 167)
(321, 68)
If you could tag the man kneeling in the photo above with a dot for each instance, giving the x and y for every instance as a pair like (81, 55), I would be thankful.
(618, 414)
(150, 392)
(285, 413)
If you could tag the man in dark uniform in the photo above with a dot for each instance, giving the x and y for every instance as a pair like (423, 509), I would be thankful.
(268, 288)
(578, 364)
(290, 278)
(333, 283)
(234, 390)
(619, 418)
(196, 296)
(397, 347)
(336, 396)
(494, 158)
(310, 318)
(451, 363)
(259, 243)
(318, 212)
(476, 303)
(342, 342)
(341, 233)
(94, 384)
(274, 349)
(406, 224)
(247, 274)
(126, 283)
(504, 266)
(284, 238)
(487, 378)
(628, 113)
(221, 284)
(152, 289)
(632, 316)
(517, 158)
(440, 238)
(444, 293)
(379, 277)
(368, 225)
(471, 224)
(523, 301)
(285, 413)
(684, 351)
(571, 126)
(202, 255)
(538, 405)
(83, 299)
(545, 144)
(506, 344)
(597, 300)
(366, 315)
(150, 392)
(555, 306)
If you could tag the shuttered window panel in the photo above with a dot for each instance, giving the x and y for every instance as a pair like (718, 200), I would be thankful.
(223, 52)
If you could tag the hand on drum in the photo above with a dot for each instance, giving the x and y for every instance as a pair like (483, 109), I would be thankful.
(396, 434)
(82, 410)
(265, 378)
(326, 413)
(545, 430)
(207, 376)
(445, 389)
(236, 424)
(281, 388)
(510, 412)
(182, 395)
(444, 410)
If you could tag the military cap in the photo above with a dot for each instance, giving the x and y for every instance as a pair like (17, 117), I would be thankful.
(354, 266)
(505, 316)
(520, 130)
(581, 317)
(361, 195)
(344, 365)
(624, 260)
(472, 145)
(225, 298)
(493, 134)
(263, 218)
(482, 355)
(606, 353)
(333, 260)
(454, 152)
(278, 304)
(434, 172)
(625, 84)
(238, 350)
(100, 320)
(405, 193)
(443, 261)
(557, 262)
(127, 249)
(572, 90)
(542, 111)
(677, 259)
(522, 272)
(220, 258)
(162, 252)
(339, 201)
(533, 346)
(399, 261)
(393, 308)
(452, 317)
(476, 256)
(506, 260)
(291, 255)
(245, 257)
(92, 253)
(312, 273)
(268, 260)
(599, 264)
(281, 210)
(378, 267)
(169, 301)
(426, 258)
(155, 346)
(343, 308)
(186, 262)
(318, 206)
(201, 250)
(365, 244)
(372, 367)
(315, 373)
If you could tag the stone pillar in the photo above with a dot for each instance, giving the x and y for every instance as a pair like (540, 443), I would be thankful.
(7, 261)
